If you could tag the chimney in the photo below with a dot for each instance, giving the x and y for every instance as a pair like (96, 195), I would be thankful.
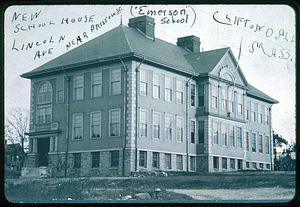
(145, 24)
(190, 42)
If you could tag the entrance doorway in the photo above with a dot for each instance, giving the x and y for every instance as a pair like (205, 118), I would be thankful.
(43, 149)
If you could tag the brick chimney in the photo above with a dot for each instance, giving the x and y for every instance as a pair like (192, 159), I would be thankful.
(145, 24)
(192, 43)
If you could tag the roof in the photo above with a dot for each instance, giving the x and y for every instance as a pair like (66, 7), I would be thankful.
(257, 93)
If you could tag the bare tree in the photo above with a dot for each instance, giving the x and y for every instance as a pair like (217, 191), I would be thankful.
(16, 125)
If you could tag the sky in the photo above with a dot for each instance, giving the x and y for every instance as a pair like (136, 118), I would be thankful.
(266, 34)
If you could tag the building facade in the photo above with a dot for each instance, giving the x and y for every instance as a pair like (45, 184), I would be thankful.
(128, 101)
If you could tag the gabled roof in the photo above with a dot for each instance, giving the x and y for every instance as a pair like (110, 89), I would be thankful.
(257, 93)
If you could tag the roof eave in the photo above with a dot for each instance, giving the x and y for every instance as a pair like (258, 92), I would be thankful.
(270, 100)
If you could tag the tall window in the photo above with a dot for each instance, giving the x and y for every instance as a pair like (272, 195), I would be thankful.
(214, 96)
(168, 127)
(266, 115)
(143, 123)
(254, 165)
(240, 104)
(60, 90)
(192, 163)
(201, 95)
(201, 131)
(224, 134)
(96, 84)
(216, 162)
(45, 93)
(253, 115)
(215, 133)
(267, 145)
(156, 85)
(77, 160)
(95, 159)
(260, 143)
(193, 94)
(247, 110)
(77, 126)
(44, 114)
(114, 122)
(193, 131)
(168, 89)
(179, 163)
(232, 163)
(156, 125)
(114, 158)
(232, 138)
(143, 82)
(179, 92)
(247, 141)
(179, 129)
(95, 124)
(78, 87)
(224, 99)
(168, 161)
(143, 159)
(224, 163)
(115, 82)
(239, 137)
(253, 141)
(259, 114)
(155, 159)
(230, 100)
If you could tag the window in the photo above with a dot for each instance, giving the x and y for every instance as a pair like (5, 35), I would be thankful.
(96, 84)
(232, 163)
(179, 163)
(253, 142)
(95, 124)
(143, 159)
(224, 134)
(230, 100)
(232, 139)
(179, 129)
(179, 92)
(266, 115)
(155, 159)
(268, 166)
(168, 127)
(247, 110)
(239, 137)
(215, 133)
(247, 141)
(114, 159)
(247, 165)
(260, 143)
(259, 114)
(240, 104)
(95, 159)
(193, 94)
(261, 165)
(156, 85)
(240, 164)
(214, 96)
(78, 87)
(156, 125)
(115, 82)
(168, 89)
(143, 123)
(192, 163)
(143, 82)
(253, 115)
(201, 95)
(201, 131)
(267, 144)
(114, 115)
(224, 99)
(44, 114)
(216, 162)
(60, 90)
(193, 131)
(254, 165)
(77, 126)
(77, 160)
(168, 161)
(224, 163)
(45, 93)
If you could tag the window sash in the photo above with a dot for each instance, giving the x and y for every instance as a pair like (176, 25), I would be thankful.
(179, 129)
(156, 125)
(168, 127)
(143, 159)
(224, 135)
(179, 97)
(201, 131)
(115, 123)
(267, 145)
(247, 141)
(77, 160)
(179, 91)
(179, 163)
(193, 94)
(168, 94)
(168, 161)
(96, 124)
(216, 162)
(253, 142)
(60, 90)
(115, 81)
(156, 91)
(260, 143)
(232, 143)
(155, 159)
(95, 159)
(193, 131)
(114, 159)
(239, 137)
(224, 163)
(232, 163)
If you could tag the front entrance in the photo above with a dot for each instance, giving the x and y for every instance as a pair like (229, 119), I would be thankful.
(43, 149)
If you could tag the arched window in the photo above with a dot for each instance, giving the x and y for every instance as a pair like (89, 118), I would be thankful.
(45, 93)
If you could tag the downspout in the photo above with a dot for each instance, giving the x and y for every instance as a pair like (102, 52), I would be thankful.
(124, 115)
(271, 139)
(67, 116)
(136, 112)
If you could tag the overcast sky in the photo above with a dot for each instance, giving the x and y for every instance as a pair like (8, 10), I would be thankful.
(267, 32)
